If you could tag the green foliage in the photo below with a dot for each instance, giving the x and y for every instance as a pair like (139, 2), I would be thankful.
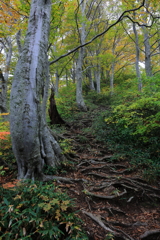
(62, 168)
(66, 145)
(82, 139)
(48, 170)
(37, 211)
(97, 98)
(66, 101)
(109, 236)
(138, 121)
(6, 150)
(126, 91)
(5, 147)
(151, 84)
(133, 128)
(2, 171)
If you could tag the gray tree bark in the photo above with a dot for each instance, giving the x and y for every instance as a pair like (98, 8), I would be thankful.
(57, 82)
(97, 73)
(18, 39)
(79, 76)
(137, 58)
(73, 72)
(7, 44)
(112, 71)
(3, 87)
(32, 141)
(112, 78)
(148, 65)
(91, 83)
(147, 46)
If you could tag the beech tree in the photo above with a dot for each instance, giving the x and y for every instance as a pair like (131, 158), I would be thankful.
(138, 72)
(2, 93)
(79, 97)
(7, 47)
(32, 141)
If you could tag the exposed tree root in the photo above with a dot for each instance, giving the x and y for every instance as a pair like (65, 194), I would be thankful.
(105, 197)
(105, 166)
(62, 179)
(111, 210)
(99, 221)
(149, 235)
(122, 235)
(127, 183)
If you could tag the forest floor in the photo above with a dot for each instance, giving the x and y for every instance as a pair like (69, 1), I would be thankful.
(111, 198)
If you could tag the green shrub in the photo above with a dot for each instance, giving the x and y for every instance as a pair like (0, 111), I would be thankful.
(66, 101)
(151, 84)
(134, 128)
(37, 211)
(138, 122)
(98, 98)
(6, 152)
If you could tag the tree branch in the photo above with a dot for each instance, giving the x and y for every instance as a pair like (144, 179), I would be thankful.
(122, 16)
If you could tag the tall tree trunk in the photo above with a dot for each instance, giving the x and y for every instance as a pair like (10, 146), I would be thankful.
(3, 87)
(148, 65)
(79, 97)
(57, 82)
(66, 78)
(98, 79)
(147, 46)
(137, 58)
(73, 72)
(18, 39)
(91, 83)
(4, 77)
(32, 141)
(56, 87)
(112, 79)
(79, 76)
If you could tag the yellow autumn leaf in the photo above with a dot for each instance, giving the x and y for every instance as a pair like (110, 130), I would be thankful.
(47, 207)
(66, 202)
(64, 205)
(41, 225)
(19, 206)
(17, 197)
(54, 201)
(57, 215)
(44, 198)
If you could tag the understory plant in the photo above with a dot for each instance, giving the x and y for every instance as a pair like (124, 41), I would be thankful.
(134, 129)
(6, 154)
(66, 101)
(36, 210)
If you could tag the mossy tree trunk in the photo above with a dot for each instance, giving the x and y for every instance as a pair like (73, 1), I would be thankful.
(32, 141)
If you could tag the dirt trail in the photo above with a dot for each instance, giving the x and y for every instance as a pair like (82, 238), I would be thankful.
(113, 201)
